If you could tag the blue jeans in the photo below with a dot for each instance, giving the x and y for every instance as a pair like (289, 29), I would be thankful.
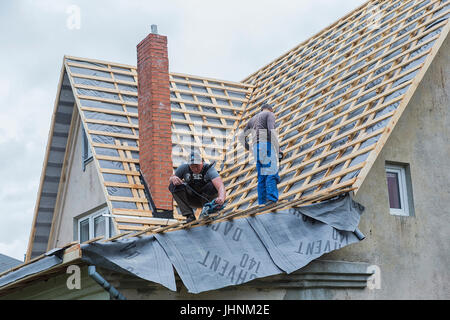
(267, 169)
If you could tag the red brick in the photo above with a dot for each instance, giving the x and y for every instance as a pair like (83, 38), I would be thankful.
(155, 133)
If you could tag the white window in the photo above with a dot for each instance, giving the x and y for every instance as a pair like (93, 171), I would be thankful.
(95, 225)
(397, 190)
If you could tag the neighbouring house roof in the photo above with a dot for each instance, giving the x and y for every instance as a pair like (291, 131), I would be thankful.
(336, 96)
(7, 262)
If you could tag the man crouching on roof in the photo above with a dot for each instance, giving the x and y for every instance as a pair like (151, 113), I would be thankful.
(195, 183)
(266, 151)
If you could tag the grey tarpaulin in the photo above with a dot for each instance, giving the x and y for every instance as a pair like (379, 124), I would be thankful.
(293, 239)
(237, 251)
(52, 259)
(142, 257)
(217, 255)
(341, 212)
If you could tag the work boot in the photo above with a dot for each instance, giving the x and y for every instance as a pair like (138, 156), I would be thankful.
(269, 202)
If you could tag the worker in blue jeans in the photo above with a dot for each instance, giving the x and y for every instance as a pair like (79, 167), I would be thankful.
(266, 151)
(266, 166)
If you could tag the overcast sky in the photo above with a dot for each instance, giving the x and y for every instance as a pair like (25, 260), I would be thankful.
(218, 39)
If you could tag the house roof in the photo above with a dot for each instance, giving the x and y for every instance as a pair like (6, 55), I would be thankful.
(336, 96)
(7, 262)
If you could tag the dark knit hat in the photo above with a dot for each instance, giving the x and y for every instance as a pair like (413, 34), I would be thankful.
(266, 106)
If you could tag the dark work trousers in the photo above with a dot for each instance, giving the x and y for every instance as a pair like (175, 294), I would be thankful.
(187, 200)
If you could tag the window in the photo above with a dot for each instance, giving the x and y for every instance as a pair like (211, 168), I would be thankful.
(95, 225)
(399, 189)
(87, 149)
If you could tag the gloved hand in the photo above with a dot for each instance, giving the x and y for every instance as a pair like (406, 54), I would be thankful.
(280, 155)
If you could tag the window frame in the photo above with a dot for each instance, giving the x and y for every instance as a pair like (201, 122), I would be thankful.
(402, 190)
(91, 218)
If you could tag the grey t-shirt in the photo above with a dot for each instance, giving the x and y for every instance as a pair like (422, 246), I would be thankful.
(262, 120)
(261, 128)
(183, 170)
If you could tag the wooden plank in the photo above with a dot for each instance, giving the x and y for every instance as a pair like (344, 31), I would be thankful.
(239, 84)
(206, 104)
(127, 199)
(91, 67)
(114, 112)
(144, 220)
(203, 124)
(118, 159)
(81, 96)
(113, 134)
(132, 212)
(123, 185)
(102, 89)
(113, 123)
(131, 227)
(110, 80)
(210, 95)
(117, 171)
(113, 146)
(120, 65)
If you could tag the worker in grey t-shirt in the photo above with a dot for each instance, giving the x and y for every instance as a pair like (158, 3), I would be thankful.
(266, 151)
(195, 183)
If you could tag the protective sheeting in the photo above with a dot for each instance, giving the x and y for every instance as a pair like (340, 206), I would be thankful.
(218, 255)
(234, 252)
(143, 257)
(294, 239)
(341, 212)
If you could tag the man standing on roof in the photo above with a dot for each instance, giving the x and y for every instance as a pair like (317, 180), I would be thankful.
(195, 183)
(266, 151)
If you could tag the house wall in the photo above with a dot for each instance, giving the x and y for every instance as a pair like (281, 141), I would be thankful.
(81, 192)
(411, 252)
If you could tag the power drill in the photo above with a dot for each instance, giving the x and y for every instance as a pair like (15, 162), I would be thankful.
(210, 208)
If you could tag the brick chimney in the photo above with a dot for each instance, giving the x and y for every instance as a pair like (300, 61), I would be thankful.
(155, 133)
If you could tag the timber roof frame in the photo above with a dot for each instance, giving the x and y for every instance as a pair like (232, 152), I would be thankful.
(337, 97)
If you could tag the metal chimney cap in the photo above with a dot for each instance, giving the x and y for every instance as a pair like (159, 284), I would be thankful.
(154, 29)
